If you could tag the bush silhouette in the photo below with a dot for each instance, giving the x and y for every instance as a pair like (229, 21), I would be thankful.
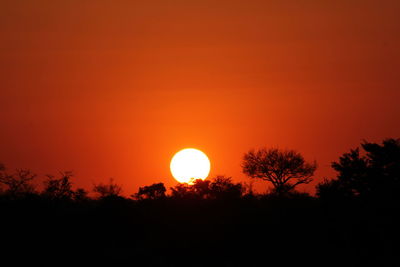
(219, 187)
(198, 190)
(151, 192)
(222, 187)
(18, 184)
(60, 188)
(80, 195)
(109, 190)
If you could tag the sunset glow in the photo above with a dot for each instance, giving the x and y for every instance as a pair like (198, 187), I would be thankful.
(200, 133)
(118, 86)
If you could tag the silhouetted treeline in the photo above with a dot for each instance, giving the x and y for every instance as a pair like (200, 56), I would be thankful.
(352, 220)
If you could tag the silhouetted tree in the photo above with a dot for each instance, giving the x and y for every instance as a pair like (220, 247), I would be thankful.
(80, 195)
(107, 190)
(197, 190)
(375, 174)
(153, 192)
(60, 188)
(181, 190)
(201, 188)
(278, 167)
(19, 183)
(222, 187)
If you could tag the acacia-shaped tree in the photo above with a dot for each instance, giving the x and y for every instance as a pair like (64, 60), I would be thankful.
(285, 169)
(19, 183)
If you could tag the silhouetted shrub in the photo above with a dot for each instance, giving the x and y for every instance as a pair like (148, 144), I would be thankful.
(222, 187)
(181, 190)
(219, 187)
(60, 188)
(198, 190)
(80, 195)
(151, 192)
(107, 190)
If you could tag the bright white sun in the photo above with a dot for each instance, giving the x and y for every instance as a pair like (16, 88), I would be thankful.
(190, 164)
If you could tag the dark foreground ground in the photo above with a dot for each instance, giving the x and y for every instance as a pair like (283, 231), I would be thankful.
(243, 232)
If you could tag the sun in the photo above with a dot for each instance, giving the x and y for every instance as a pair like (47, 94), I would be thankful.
(190, 164)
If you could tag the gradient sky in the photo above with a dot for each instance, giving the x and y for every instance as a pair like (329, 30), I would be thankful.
(115, 88)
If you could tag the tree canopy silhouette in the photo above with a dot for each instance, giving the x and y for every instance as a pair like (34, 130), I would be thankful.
(198, 190)
(153, 192)
(219, 187)
(374, 172)
(285, 169)
(222, 187)
(109, 190)
(60, 188)
(19, 183)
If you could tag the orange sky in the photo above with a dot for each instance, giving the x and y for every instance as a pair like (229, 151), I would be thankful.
(115, 88)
